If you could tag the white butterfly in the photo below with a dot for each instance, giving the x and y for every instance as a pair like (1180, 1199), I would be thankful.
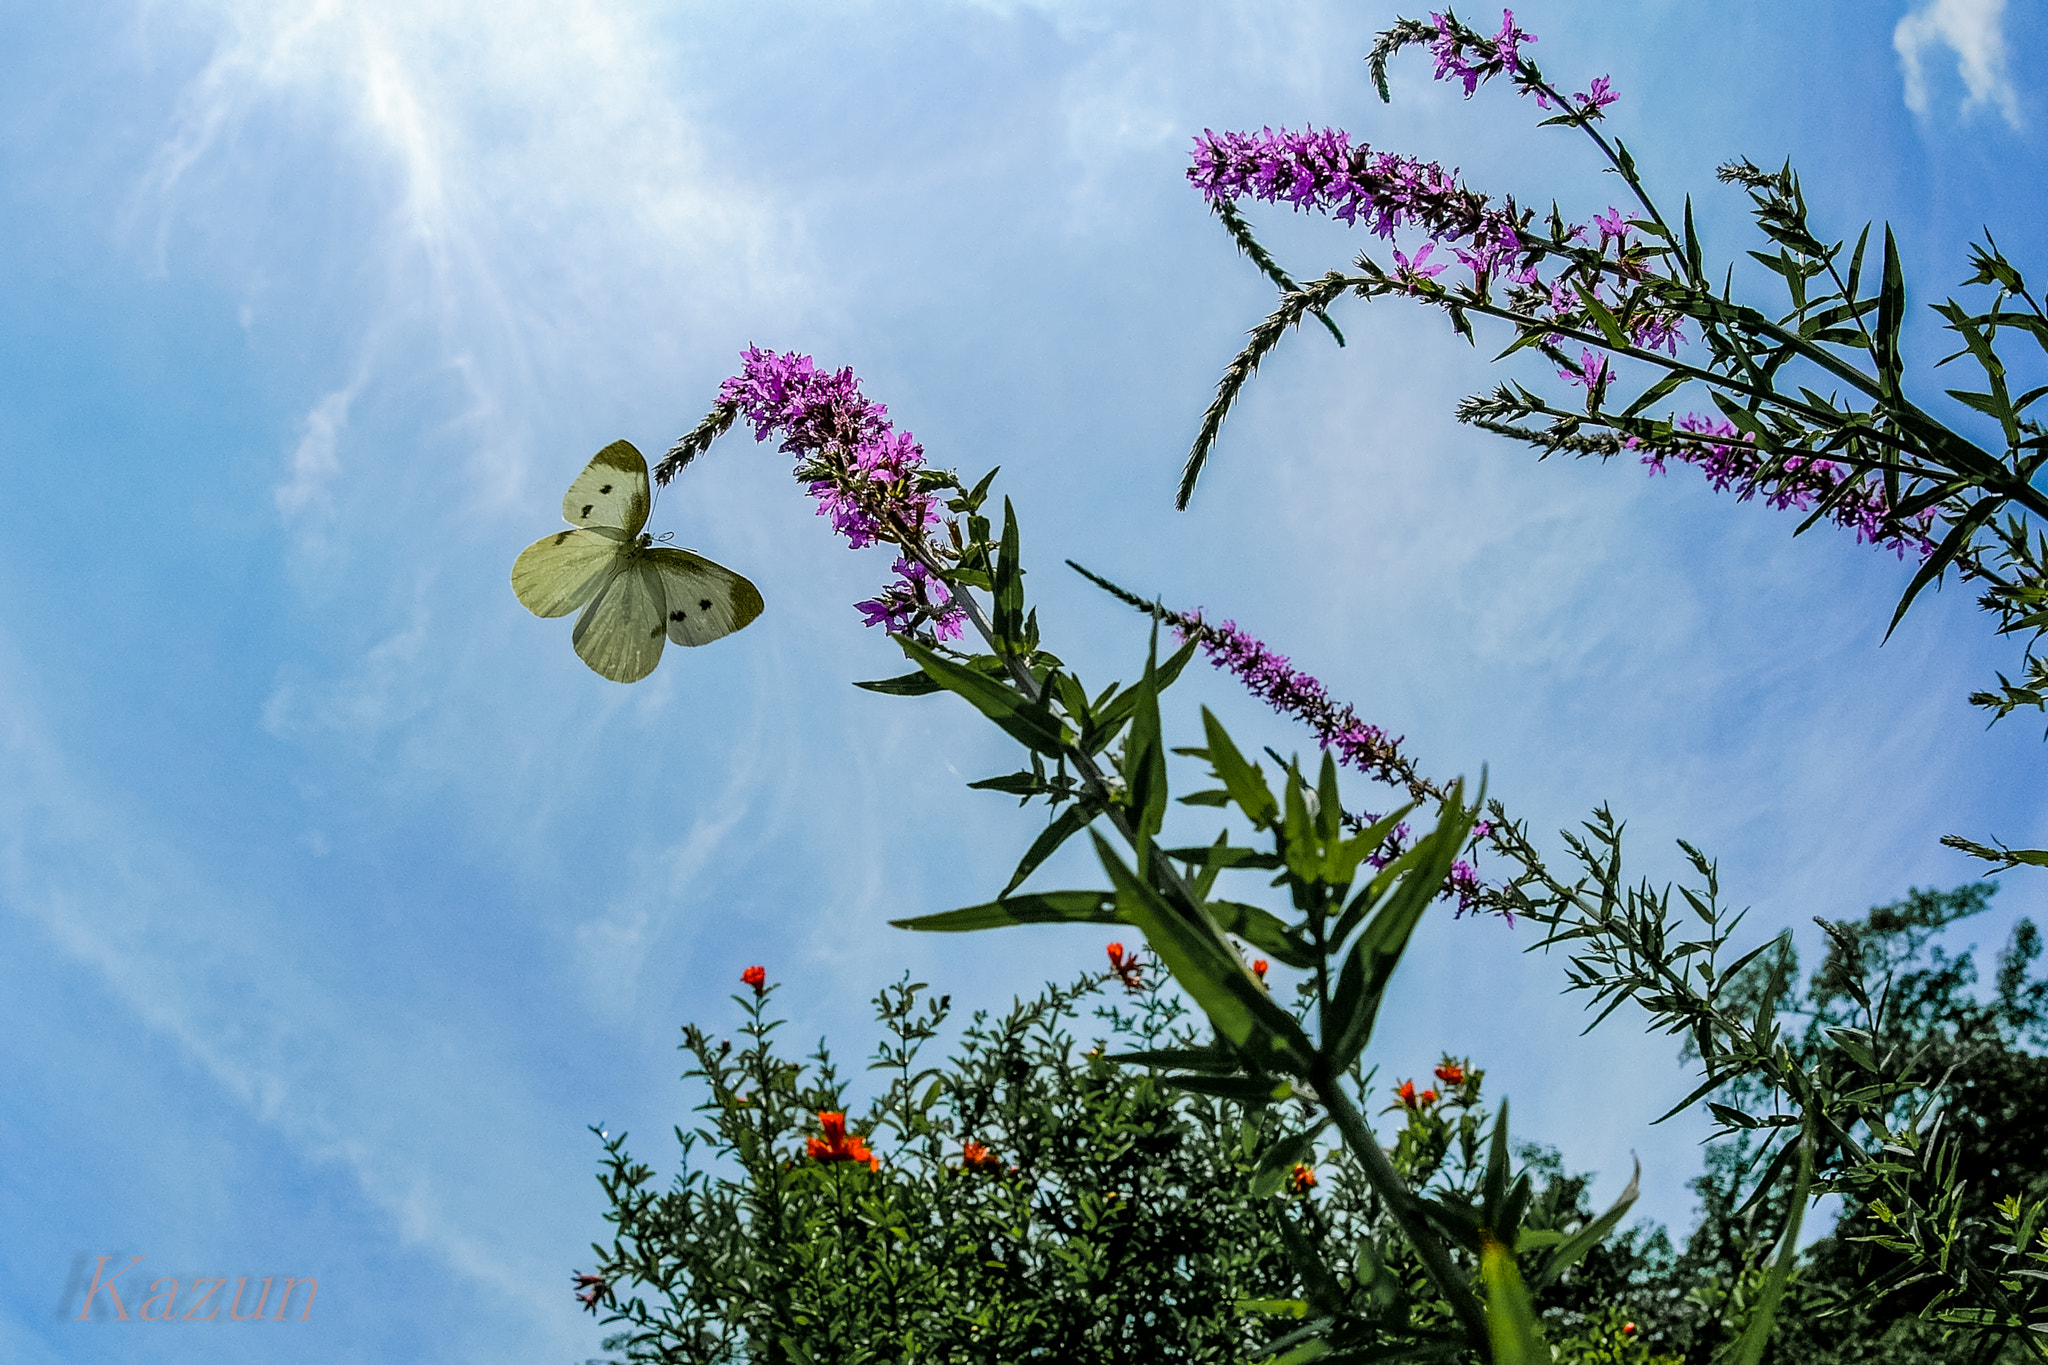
(640, 593)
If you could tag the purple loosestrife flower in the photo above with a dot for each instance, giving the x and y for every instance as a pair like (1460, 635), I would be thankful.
(862, 472)
(1321, 171)
(1612, 225)
(1799, 485)
(1417, 270)
(1267, 676)
(1594, 371)
(1463, 56)
(1598, 98)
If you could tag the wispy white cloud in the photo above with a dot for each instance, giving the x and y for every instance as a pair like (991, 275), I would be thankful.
(1972, 29)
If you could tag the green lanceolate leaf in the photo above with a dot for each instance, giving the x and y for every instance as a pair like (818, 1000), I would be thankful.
(1574, 1248)
(1206, 966)
(1511, 1325)
(917, 684)
(1244, 781)
(1145, 762)
(1378, 950)
(1208, 1060)
(1009, 585)
(1756, 1335)
(1064, 826)
(1044, 907)
(1252, 1090)
(1113, 708)
(1891, 317)
(1030, 723)
(1263, 930)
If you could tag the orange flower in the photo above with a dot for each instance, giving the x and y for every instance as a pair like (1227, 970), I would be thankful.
(1450, 1073)
(1126, 968)
(1628, 1329)
(1427, 1097)
(975, 1157)
(1259, 968)
(1405, 1092)
(839, 1145)
(757, 977)
(1301, 1180)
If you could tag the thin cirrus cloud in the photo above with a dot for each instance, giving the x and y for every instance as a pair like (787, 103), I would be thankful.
(1974, 30)
(493, 170)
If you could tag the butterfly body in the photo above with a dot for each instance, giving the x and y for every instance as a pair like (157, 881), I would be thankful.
(635, 595)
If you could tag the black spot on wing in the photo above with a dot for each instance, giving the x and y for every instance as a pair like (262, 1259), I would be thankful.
(606, 489)
(587, 506)
(656, 631)
(703, 604)
(677, 615)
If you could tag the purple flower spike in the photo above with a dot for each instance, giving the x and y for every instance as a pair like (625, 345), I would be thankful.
(860, 470)
(1323, 171)
(1800, 485)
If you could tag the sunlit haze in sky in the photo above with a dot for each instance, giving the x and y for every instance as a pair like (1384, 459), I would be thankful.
(340, 897)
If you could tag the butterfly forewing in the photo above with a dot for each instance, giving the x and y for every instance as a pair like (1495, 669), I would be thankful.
(702, 600)
(559, 573)
(620, 633)
(611, 491)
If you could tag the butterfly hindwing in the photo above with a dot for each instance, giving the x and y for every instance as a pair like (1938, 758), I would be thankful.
(620, 633)
(611, 491)
(559, 573)
(702, 600)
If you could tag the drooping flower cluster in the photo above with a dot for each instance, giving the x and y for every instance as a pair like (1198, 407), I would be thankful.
(1267, 676)
(836, 1144)
(1732, 461)
(590, 1289)
(861, 470)
(1322, 172)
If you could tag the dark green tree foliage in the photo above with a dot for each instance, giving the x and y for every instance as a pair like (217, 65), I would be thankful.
(1855, 1299)
(1099, 1214)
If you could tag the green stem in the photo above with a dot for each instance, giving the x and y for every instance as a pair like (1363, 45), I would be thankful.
(1406, 1209)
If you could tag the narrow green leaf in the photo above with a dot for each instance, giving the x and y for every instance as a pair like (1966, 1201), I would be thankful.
(1263, 930)
(1205, 965)
(1603, 319)
(1246, 784)
(1378, 950)
(1009, 581)
(1145, 761)
(1044, 907)
(1756, 1335)
(1031, 724)
(1511, 1325)
(1070, 821)
(1574, 1248)
(919, 684)
(1208, 1060)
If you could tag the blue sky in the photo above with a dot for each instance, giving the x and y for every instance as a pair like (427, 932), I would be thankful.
(339, 896)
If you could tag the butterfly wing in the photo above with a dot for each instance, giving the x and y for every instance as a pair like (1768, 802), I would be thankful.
(620, 633)
(611, 491)
(702, 601)
(559, 573)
